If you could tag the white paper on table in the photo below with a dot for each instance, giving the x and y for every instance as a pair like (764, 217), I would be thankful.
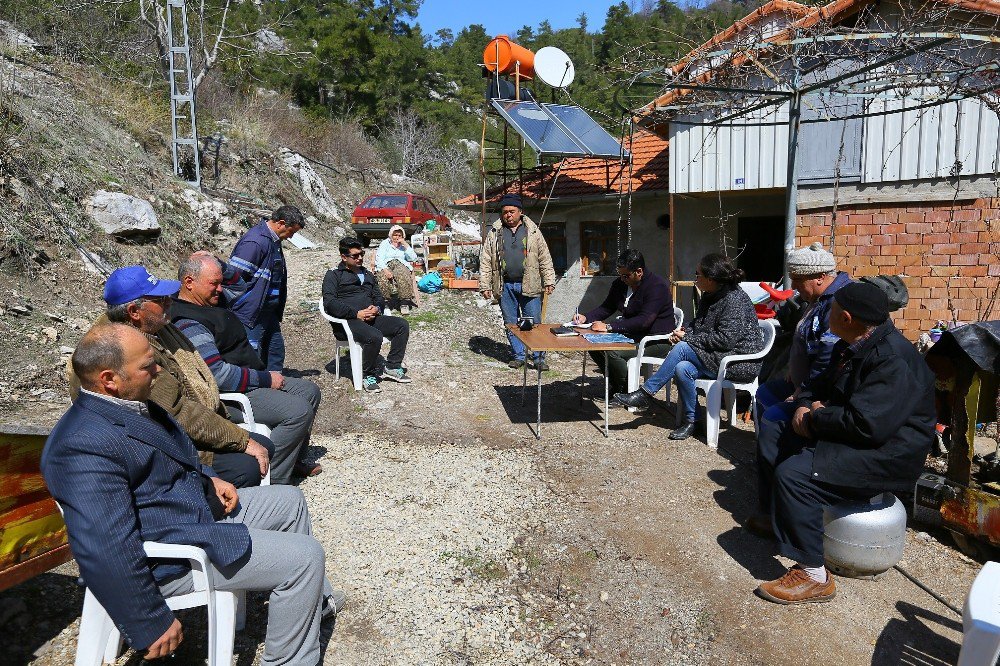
(570, 324)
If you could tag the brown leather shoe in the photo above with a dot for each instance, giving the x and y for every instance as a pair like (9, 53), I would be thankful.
(796, 587)
(306, 469)
(760, 525)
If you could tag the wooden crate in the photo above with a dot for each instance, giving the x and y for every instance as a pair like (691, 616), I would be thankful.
(461, 283)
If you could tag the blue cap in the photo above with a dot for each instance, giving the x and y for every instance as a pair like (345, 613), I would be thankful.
(511, 200)
(132, 282)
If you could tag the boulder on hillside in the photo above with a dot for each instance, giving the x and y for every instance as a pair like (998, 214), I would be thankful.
(311, 184)
(122, 215)
(13, 40)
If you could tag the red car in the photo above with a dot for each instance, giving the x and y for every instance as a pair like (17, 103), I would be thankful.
(377, 213)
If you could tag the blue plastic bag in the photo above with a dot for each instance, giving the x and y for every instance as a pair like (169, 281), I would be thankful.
(430, 283)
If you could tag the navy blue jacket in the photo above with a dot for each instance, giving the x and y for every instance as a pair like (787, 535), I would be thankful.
(877, 422)
(253, 258)
(815, 341)
(121, 479)
(650, 311)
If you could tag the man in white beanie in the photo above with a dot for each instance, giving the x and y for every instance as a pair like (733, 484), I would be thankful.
(813, 271)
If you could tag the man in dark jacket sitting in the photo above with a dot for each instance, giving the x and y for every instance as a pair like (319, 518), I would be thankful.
(644, 300)
(287, 405)
(350, 292)
(861, 428)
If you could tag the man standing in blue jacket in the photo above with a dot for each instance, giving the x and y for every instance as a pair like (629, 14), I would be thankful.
(643, 298)
(261, 264)
(124, 472)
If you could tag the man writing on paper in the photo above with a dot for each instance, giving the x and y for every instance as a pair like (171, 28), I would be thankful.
(643, 298)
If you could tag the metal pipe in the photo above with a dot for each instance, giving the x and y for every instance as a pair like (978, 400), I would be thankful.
(791, 174)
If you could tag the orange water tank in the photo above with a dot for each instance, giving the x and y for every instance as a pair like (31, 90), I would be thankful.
(502, 54)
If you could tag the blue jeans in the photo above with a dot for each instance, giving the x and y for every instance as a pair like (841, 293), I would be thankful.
(771, 403)
(681, 365)
(266, 338)
(513, 303)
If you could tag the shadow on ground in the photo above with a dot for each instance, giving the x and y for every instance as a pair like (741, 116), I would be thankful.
(560, 402)
(914, 640)
(48, 603)
(483, 346)
(737, 494)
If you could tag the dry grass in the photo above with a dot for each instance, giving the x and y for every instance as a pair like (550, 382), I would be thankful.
(265, 120)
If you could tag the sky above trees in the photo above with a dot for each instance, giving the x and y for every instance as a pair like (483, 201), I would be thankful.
(508, 16)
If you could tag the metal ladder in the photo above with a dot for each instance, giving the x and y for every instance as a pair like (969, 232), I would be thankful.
(183, 127)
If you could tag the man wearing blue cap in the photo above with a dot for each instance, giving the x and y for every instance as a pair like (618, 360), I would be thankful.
(185, 387)
(515, 267)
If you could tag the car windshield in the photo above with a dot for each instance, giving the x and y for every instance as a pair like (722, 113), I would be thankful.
(385, 201)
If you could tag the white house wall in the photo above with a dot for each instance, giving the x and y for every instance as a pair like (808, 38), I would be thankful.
(913, 145)
(714, 159)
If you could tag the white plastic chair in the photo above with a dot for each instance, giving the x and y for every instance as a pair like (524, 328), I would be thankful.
(100, 641)
(714, 388)
(635, 364)
(981, 619)
(353, 348)
(241, 401)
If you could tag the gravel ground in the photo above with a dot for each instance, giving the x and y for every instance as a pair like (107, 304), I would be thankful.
(461, 539)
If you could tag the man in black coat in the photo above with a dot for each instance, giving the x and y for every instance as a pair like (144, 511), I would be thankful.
(350, 292)
(644, 300)
(863, 427)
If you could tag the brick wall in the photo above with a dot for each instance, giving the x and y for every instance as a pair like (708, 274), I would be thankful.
(948, 256)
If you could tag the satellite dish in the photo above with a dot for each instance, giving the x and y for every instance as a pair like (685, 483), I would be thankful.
(553, 67)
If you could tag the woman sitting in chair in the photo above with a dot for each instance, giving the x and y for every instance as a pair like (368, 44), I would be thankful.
(724, 325)
(394, 269)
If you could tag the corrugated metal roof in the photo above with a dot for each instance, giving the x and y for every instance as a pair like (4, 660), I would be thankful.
(588, 177)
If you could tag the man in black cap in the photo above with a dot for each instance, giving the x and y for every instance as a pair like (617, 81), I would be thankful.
(861, 428)
(515, 267)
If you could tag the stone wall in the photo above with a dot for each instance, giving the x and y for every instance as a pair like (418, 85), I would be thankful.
(948, 255)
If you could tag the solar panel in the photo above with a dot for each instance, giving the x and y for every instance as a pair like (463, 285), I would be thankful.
(558, 130)
(586, 130)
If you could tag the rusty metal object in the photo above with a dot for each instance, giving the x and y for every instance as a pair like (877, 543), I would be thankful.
(32, 533)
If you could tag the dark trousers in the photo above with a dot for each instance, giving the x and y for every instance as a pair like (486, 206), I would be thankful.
(617, 369)
(369, 335)
(788, 493)
(240, 469)
(267, 339)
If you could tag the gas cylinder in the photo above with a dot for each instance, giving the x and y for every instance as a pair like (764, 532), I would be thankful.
(864, 539)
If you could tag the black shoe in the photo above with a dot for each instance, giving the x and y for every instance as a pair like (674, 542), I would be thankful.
(637, 398)
(684, 431)
(517, 364)
(541, 366)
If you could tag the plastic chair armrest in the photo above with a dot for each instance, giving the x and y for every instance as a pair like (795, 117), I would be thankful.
(650, 339)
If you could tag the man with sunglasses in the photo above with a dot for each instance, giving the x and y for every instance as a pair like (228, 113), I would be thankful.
(643, 298)
(351, 292)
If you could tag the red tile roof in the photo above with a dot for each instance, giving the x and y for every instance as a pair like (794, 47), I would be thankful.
(590, 177)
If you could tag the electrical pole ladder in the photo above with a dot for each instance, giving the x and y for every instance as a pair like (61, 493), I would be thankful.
(183, 127)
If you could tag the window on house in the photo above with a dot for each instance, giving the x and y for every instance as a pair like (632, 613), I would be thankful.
(555, 238)
(598, 248)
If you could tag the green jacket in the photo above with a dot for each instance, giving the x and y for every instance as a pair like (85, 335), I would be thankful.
(538, 270)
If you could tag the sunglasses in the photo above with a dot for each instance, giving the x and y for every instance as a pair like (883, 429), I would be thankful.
(356, 255)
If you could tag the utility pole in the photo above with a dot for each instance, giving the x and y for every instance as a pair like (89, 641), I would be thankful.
(183, 125)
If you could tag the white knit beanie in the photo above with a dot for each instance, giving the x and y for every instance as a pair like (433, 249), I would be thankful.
(811, 260)
(394, 228)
